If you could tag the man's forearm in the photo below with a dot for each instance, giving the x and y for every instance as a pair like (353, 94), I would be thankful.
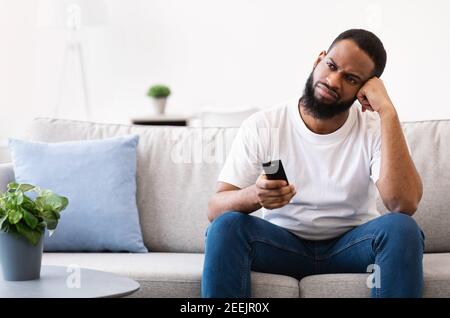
(399, 180)
(242, 200)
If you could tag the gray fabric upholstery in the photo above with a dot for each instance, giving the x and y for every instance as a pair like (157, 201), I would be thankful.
(429, 142)
(179, 275)
(6, 175)
(177, 171)
(436, 267)
(184, 163)
(430, 149)
(168, 274)
(334, 286)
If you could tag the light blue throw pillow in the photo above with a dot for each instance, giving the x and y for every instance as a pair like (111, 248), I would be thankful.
(99, 179)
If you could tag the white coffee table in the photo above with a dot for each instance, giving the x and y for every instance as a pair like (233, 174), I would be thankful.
(69, 282)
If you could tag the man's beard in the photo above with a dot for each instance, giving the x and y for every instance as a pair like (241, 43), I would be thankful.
(318, 109)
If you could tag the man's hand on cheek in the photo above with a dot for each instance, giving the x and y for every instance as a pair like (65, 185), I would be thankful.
(374, 97)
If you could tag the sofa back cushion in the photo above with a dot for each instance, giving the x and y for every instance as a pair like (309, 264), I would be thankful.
(178, 168)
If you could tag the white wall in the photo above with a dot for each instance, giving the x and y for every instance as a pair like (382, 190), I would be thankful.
(233, 53)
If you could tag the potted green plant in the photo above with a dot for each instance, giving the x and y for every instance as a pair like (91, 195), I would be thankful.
(159, 94)
(23, 220)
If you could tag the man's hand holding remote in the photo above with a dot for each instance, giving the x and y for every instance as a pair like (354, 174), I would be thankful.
(273, 194)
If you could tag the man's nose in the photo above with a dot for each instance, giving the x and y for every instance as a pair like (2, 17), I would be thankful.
(334, 81)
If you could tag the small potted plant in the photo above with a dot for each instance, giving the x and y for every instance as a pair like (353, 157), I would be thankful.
(23, 220)
(159, 94)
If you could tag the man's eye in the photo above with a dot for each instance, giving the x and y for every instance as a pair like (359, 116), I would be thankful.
(351, 80)
(331, 66)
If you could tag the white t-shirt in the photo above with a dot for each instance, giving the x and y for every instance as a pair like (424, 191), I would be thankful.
(334, 174)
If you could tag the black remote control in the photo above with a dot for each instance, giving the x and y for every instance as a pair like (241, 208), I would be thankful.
(274, 170)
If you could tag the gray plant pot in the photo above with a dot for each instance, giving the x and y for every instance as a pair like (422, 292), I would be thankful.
(159, 105)
(19, 259)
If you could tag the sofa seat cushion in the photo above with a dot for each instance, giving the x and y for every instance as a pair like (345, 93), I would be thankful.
(167, 274)
(179, 275)
(436, 268)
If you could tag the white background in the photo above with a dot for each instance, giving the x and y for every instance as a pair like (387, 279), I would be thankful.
(234, 54)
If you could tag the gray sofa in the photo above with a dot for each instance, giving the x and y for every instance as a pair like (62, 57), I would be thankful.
(177, 171)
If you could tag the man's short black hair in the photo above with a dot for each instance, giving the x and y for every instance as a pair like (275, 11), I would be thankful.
(369, 43)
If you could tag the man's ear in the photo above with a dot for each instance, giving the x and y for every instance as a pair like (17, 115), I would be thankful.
(320, 58)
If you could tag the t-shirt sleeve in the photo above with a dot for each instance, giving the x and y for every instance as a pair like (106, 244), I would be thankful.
(375, 161)
(243, 165)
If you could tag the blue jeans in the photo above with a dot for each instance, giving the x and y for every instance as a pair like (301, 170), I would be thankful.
(237, 243)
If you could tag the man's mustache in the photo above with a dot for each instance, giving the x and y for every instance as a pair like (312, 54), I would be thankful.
(329, 88)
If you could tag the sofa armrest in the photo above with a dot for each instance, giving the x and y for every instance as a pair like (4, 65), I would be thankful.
(6, 175)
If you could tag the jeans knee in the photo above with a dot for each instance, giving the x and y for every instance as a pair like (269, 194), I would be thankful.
(227, 223)
(402, 228)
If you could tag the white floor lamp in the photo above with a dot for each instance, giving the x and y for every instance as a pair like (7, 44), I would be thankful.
(72, 15)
